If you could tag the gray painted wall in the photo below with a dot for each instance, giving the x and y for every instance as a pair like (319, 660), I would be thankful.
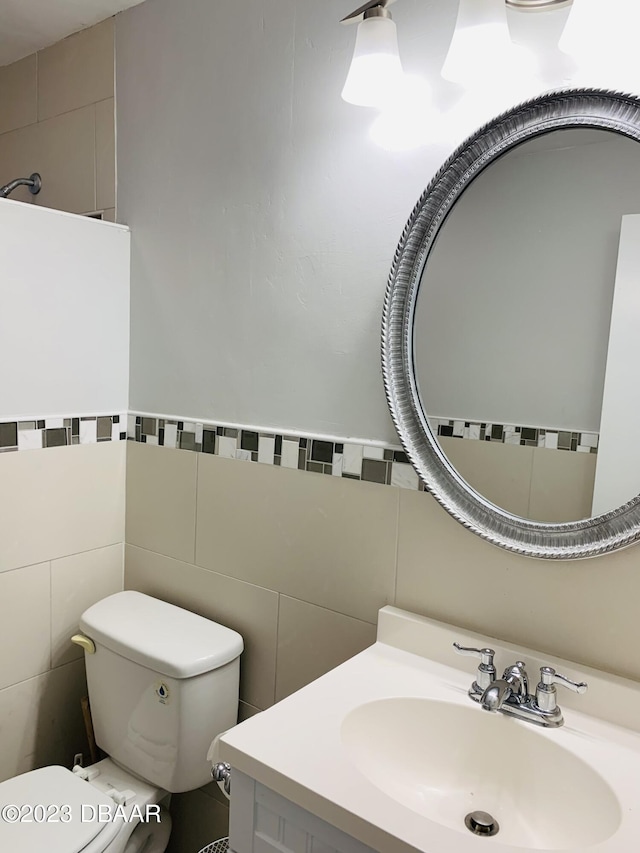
(264, 220)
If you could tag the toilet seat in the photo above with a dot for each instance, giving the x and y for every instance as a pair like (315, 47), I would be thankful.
(55, 787)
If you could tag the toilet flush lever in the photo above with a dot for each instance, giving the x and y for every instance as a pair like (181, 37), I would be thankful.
(87, 644)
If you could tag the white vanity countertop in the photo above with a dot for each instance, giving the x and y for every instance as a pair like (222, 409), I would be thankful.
(296, 747)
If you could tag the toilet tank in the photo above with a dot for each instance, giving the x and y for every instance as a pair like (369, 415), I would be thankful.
(163, 682)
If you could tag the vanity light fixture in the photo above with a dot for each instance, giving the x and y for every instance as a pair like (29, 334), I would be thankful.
(539, 30)
(376, 72)
(536, 5)
(481, 51)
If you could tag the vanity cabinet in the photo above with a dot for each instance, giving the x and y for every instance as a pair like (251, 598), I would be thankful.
(388, 753)
(262, 821)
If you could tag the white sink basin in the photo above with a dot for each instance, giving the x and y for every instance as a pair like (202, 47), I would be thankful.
(390, 749)
(445, 761)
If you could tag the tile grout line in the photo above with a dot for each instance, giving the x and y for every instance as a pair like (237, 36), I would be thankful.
(195, 519)
(397, 550)
(50, 615)
(254, 585)
(530, 493)
(61, 557)
(95, 157)
(277, 655)
(123, 547)
(44, 674)
(328, 609)
(37, 121)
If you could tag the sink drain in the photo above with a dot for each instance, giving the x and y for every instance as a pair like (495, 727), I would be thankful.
(481, 823)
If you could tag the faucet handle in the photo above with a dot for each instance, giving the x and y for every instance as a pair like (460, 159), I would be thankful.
(546, 691)
(485, 655)
(486, 671)
(549, 677)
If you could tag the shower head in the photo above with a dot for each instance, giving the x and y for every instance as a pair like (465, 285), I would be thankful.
(34, 182)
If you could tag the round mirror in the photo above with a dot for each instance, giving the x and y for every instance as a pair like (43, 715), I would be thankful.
(512, 321)
(507, 333)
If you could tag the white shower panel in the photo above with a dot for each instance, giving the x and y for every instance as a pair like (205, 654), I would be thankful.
(64, 315)
(618, 467)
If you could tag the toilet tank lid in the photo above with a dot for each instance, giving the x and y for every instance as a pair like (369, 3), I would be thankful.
(160, 636)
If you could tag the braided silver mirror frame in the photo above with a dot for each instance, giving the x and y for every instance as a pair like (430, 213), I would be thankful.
(589, 108)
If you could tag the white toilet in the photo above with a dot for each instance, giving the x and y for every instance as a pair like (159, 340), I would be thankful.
(163, 683)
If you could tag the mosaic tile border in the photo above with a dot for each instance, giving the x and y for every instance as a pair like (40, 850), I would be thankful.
(387, 465)
(526, 436)
(40, 433)
(373, 463)
(369, 462)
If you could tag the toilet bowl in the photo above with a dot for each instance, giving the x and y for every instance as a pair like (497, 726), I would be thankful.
(60, 812)
(163, 683)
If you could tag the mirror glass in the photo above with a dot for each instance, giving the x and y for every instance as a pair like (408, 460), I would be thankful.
(512, 323)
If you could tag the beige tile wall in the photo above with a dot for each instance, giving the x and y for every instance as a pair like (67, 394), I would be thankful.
(581, 610)
(57, 118)
(532, 482)
(561, 485)
(61, 534)
(299, 564)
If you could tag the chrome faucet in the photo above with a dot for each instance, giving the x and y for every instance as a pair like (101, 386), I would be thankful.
(510, 694)
(496, 695)
(512, 687)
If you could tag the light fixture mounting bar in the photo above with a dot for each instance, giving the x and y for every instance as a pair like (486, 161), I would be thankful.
(536, 5)
(361, 13)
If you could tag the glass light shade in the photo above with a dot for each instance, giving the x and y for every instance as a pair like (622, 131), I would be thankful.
(481, 51)
(375, 74)
(539, 33)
